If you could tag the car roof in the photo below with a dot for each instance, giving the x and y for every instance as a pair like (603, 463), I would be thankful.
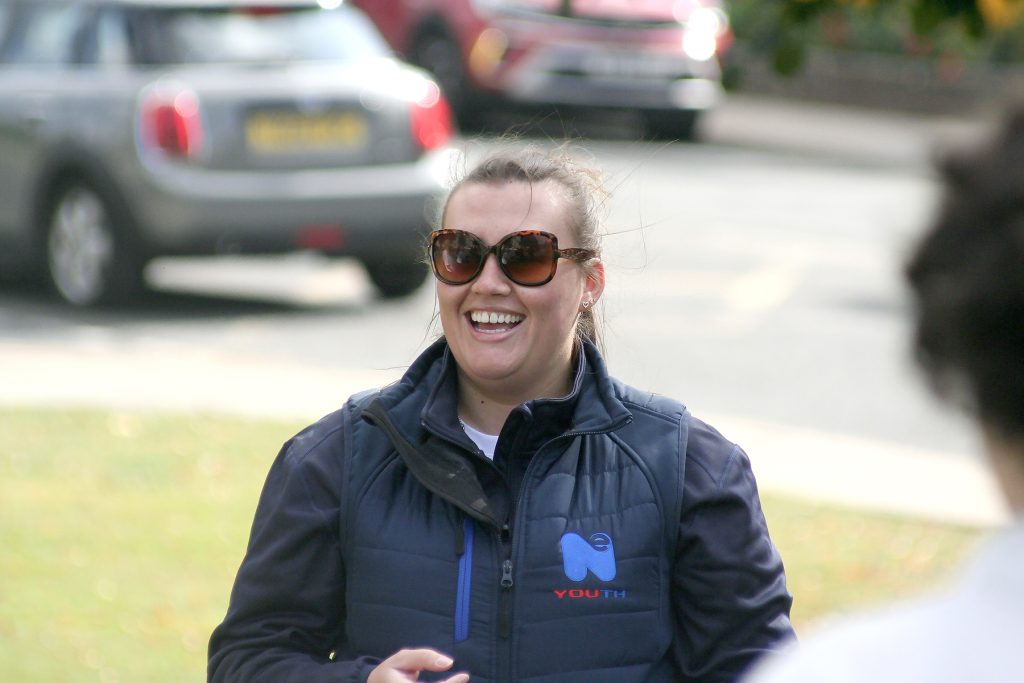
(187, 3)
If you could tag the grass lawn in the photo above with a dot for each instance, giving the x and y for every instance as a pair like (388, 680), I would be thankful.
(122, 533)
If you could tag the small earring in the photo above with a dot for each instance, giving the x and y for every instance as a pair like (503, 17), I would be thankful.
(586, 304)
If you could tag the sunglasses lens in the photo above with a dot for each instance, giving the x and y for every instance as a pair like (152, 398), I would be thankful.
(456, 256)
(528, 258)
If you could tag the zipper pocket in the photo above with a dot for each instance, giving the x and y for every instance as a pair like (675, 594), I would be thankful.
(462, 593)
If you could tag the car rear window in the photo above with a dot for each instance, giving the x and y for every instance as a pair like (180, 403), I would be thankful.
(45, 34)
(255, 35)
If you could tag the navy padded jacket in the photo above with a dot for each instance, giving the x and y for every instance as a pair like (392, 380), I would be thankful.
(615, 538)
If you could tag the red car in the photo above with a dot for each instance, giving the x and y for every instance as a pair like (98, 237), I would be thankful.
(659, 57)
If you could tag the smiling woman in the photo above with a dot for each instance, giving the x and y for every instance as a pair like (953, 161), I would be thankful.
(508, 510)
(510, 321)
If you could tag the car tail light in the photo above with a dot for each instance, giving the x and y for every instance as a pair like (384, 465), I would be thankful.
(432, 124)
(171, 123)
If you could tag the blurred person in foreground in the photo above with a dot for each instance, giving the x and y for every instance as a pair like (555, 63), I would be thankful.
(967, 280)
(508, 511)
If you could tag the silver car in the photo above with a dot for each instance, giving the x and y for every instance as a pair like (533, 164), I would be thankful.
(130, 130)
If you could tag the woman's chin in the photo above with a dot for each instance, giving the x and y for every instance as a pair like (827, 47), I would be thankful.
(498, 371)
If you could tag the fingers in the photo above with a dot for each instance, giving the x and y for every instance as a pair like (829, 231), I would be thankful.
(422, 659)
(405, 665)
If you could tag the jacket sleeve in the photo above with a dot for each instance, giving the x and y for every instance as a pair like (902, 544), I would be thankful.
(286, 613)
(729, 587)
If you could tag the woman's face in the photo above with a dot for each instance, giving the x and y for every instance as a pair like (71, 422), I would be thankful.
(528, 355)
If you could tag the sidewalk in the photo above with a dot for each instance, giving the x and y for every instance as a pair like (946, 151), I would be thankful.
(872, 137)
(809, 464)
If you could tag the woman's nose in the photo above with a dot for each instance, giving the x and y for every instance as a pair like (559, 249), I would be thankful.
(491, 280)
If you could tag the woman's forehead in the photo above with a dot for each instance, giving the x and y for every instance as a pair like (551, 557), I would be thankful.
(495, 209)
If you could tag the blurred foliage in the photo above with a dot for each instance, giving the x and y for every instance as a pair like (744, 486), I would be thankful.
(949, 32)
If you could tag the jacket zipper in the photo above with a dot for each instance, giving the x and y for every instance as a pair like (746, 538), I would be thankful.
(505, 600)
(465, 584)
(504, 639)
(505, 613)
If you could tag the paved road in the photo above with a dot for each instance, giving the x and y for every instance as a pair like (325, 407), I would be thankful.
(756, 277)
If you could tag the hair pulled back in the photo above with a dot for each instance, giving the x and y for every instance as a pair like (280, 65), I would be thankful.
(584, 191)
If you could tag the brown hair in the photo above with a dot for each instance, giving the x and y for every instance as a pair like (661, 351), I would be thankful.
(585, 193)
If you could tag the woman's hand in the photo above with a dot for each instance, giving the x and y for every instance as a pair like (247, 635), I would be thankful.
(406, 665)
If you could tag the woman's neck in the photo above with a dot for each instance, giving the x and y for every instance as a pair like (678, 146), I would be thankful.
(487, 407)
(485, 415)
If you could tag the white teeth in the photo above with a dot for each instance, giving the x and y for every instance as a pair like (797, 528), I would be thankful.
(494, 318)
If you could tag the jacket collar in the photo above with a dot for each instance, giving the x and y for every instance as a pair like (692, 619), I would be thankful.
(426, 397)
(418, 415)
(598, 406)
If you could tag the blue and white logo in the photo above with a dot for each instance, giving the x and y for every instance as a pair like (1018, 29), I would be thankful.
(580, 556)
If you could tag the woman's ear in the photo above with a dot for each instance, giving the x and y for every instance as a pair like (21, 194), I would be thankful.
(593, 285)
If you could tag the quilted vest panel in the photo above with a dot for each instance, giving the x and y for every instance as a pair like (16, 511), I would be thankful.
(590, 561)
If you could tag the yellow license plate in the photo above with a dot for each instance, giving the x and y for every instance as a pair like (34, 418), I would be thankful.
(276, 132)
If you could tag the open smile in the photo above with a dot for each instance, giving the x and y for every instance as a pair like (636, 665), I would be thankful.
(493, 322)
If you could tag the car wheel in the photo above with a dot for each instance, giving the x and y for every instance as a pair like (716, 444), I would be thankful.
(395, 280)
(671, 124)
(88, 258)
(439, 55)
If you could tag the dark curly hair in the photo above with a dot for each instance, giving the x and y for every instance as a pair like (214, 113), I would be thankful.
(967, 280)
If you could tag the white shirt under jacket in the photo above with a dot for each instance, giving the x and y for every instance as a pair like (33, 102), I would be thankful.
(971, 633)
